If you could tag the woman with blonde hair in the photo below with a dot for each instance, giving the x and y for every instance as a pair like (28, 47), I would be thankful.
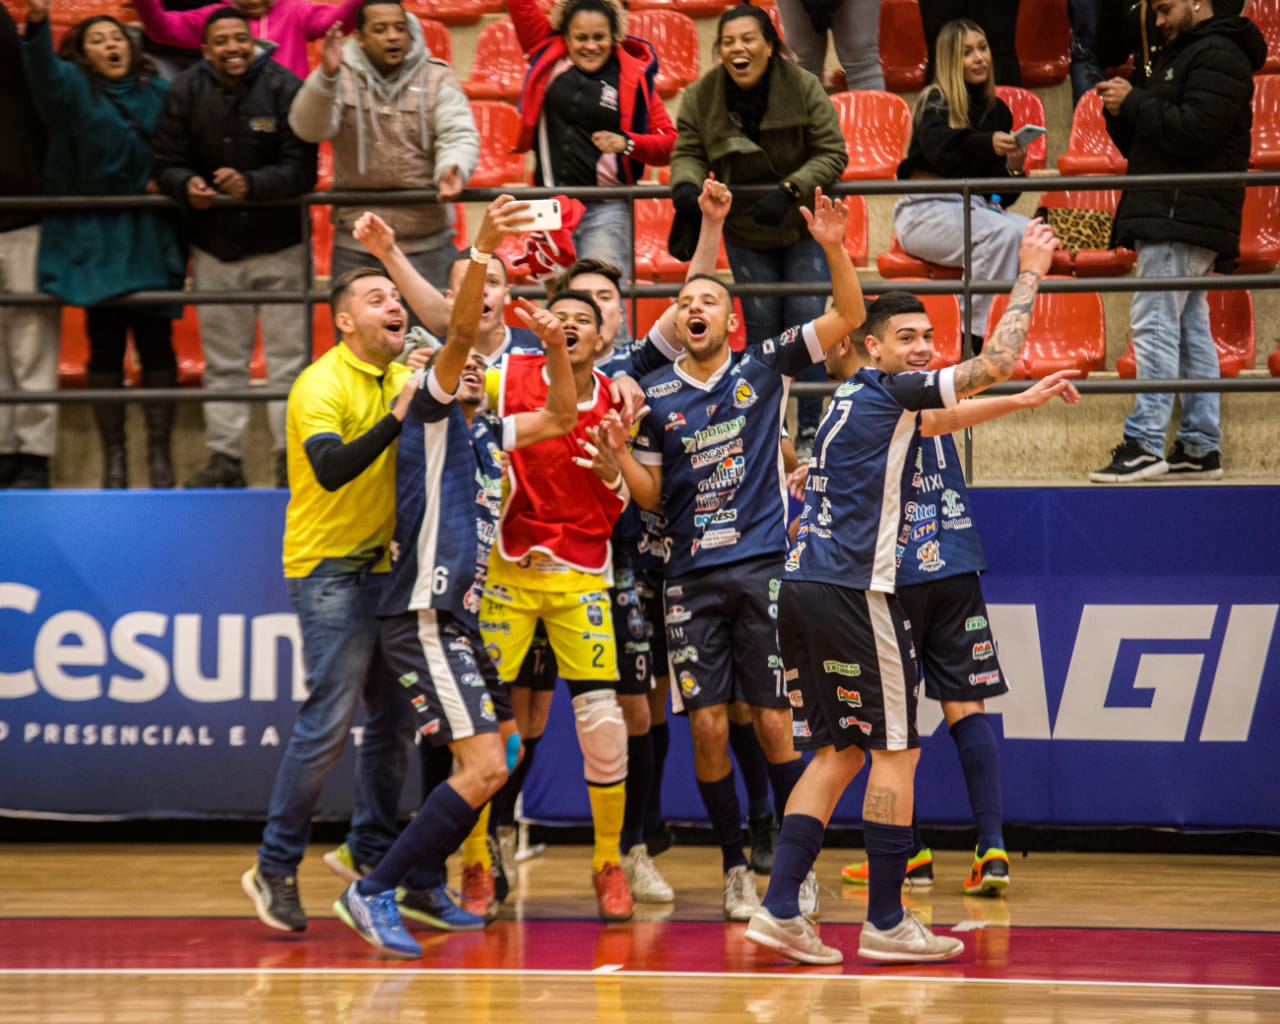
(962, 129)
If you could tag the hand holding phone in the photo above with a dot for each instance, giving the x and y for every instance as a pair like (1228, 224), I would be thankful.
(545, 214)
(1028, 134)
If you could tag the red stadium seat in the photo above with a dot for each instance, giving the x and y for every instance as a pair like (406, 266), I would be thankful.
(944, 315)
(1089, 148)
(498, 68)
(451, 12)
(896, 263)
(1027, 109)
(876, 127)
(1266, 15)
(438, 38)
(855, 232)
(1259, 231)
(1043, 42)
(73, 353)
(1265, 153)
(322, 216)
(1273, 362)
(1089, 262)
(1231, 324)
(674, 37)
(903, 53)
(187, 347)
(499, 126)
(1068, 332)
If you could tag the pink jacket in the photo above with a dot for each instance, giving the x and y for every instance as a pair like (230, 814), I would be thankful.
(290, 24)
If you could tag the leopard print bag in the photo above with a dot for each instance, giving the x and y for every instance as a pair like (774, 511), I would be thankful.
(1079, 229)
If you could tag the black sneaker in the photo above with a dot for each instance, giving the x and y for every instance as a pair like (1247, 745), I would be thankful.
(1203, 467)
(9, 465)
(275, 898)
(762, 833)
(220, 471)
(1129, 463)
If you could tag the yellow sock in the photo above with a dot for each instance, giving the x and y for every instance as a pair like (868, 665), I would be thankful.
(607, 806)
(475, 850)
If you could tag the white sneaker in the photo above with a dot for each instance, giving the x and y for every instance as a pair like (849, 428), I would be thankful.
(646, 881)
(793, 937)
(740, 898)
(809, 897)
(909, 940)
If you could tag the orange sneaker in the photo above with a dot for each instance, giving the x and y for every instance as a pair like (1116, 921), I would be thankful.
(990, 873)
(612, 893)
(919, 871)
(477, 892)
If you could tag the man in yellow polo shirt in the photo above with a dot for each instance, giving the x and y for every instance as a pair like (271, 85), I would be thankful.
(344, 415)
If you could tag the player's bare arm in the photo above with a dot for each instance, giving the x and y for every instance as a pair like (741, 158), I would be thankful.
(999, 356)
(971, 412)
(560, 415)
(379, 240)
(644, 482)
(827, 225)
(714, 202)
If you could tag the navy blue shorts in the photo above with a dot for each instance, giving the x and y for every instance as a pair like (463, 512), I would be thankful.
(952, 634)
(631, 633)
(649, 587)
(851, 669)
(722, 636)
(446, 674)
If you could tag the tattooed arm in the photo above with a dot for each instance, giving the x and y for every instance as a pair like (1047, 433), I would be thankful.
(999, 356)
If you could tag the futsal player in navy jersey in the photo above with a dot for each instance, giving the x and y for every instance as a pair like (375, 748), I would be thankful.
(846, 643)
(708, 452)
(430, 632)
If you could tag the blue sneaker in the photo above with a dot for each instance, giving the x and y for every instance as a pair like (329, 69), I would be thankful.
(378, 921)
(438, 908)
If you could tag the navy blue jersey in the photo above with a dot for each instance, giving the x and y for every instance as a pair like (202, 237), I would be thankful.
(943, 540)
(723, 485)
(854, 530)
(433, 549)
(488, 444)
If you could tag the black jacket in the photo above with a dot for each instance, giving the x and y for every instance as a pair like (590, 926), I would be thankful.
(1119, 35)
(205, 126)
(1193, 115)
(21, 166)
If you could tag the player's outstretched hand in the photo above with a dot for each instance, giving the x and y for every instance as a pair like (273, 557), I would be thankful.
(626, 392)
(1053, 386)
(1038, 244)
(375, 234)
(827, 221)
(613, 430)
(599, 458)
(504, 216)
(544, 323)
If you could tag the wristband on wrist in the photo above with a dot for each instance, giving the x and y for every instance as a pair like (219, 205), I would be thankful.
(631, 145)
(616, 484)
(482, 258)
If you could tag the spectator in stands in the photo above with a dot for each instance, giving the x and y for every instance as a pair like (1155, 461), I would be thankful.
(169, 60)
(590, 112)
(290, 24)
(854, 27)
(1127, 29)
(1192, 116)
(962, 129)
(100, 105)
(28, 334)
(225, 131)
(397, 119)
(998, 17)
(759, 119)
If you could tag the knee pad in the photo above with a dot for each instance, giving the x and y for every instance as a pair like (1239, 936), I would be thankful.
(602, 735)
(513, 752)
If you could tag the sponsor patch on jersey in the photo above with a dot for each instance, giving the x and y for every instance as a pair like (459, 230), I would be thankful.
(983, 650)
(409, 679)
(594, 615)
(927, 555)
(636, 625)
(975, 623)
(419, 701)
(688, 685)
(264, 123)
(744, 395)
(849, 387)
(677, 613)
(668, 388)
(775, 590)
(841, 668)
(800, 729)
(495, 655)
(851, 697)
(486, 709)
(430, 728)
(849, 722)
(589, 634)
(674, 421)
(985, 678)
(796, 698)
(682, 654)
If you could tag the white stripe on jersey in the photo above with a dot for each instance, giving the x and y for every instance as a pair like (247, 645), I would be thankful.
(884, 567)
(435, 448)
(442, 679)
(893, 678)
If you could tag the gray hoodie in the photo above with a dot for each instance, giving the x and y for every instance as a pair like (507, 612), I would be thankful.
(397, 131)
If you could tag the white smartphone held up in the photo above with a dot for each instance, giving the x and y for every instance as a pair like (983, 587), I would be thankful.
(545, 214)
(1028, 134)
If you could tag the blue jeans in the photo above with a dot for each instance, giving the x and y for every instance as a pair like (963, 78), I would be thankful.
(1171, 339)
(605, 234)
(767, 316)
(336, 614)
(1085, 69)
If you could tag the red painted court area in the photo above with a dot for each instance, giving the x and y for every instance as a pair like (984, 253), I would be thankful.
(1073, 955)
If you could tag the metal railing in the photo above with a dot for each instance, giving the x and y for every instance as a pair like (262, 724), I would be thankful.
(964, 286)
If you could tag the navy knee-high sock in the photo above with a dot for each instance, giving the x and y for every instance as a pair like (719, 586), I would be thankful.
(783, 778)
(502, 808)
(639, 782)
(431, 835)
(721, 800)
(754, 768)
(799, 842)
(660, 734)
(888, 848)
(980, 760)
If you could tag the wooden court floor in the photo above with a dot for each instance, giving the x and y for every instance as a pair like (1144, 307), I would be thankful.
(144, 934)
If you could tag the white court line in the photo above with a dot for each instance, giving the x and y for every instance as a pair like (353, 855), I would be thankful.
(614, 969)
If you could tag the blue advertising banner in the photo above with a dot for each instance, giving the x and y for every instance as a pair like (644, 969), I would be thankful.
(150, 663)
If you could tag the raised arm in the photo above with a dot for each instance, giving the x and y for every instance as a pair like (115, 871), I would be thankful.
(174, 28)
(826, 225)
(423, 298)
(999, 355)
(971, 412)
(560, 414)
(714, 203)
(315, 113)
